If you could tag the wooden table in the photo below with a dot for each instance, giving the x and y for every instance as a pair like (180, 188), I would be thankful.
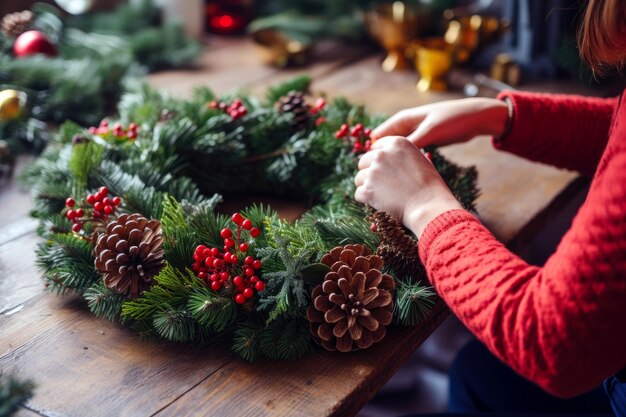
(85, 366)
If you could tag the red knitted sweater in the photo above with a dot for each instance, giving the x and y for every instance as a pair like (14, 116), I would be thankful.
(562, 326)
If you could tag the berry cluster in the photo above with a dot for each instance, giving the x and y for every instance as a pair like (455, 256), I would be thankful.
(358, 136)
(319, 106)
(231, 268)
(117, 131)
(103, 207)
(236, 109)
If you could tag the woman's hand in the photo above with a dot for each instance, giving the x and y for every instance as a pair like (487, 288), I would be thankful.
(396, 178)
(447, 122)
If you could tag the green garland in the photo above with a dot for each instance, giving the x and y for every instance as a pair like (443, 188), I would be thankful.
(98, 54)
(186, 156)
(13, 392)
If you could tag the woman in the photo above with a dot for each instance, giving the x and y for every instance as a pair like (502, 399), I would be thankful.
(560, 326)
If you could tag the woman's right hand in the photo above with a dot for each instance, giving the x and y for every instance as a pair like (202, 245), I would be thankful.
(447, 122)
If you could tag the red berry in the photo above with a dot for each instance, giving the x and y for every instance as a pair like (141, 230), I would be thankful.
(214, 277)
(98, 206)
(215, 251)
(108, 209)
(319, 121)
(195, 267)
(106, 201)
(367, 132)
(92, 130)
(224, 276)
(254, 279)
(260, 286)
(429, 156)
(240, 299)
(71, 214)
(247, 224)
(226, 248)
(200, 249)
(241, 111)
(249, 271)
(103, 190)
(203, 275)
(104, 123)
(206, 253)
(214, 104)
(132, 126)
(374, 227)
(216, 285)
(238, 280)
(243, 247)
(255, 232)
(116, 201)
(343, 131)
(209, 262)
(248, 293)
(132, 135)
(226, 233)
(256, 264)
(233, 259)
(218, 264)
(356, 130)
(236, 103)
(91, 199)
(237, 219)
(70, 202)
(229, 243)
(248, 260)
(76, 227)
(80, 212)
(97, 214)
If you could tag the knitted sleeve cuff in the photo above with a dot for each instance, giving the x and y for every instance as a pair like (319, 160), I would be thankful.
(438, 227)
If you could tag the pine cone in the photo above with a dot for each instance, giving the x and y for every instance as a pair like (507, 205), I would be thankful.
(129, 253)
(398, 250)
(14, 24)
(351, 308)
(295, 103)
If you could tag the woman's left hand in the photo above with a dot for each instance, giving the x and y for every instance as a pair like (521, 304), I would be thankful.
(397, 178)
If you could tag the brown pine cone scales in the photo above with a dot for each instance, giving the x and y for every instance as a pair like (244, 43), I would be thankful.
(129, 253)
(295, 103)
(351, 308)
(398, 250)
(14, 24)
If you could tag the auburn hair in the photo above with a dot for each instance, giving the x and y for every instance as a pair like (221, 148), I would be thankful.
(602, 38)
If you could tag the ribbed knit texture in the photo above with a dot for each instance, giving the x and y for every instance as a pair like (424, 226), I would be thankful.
(562, 326)
(566, 131)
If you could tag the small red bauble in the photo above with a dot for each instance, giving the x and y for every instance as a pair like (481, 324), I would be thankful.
(248, 293)
(216, 285)
(240, 299)
(226, 233)
(33, 42)
(237, 219)
(259, 285)
(70, 202)
(243, 247)
(76, 227)
(116, 201)
(247, 224)
(255, 232)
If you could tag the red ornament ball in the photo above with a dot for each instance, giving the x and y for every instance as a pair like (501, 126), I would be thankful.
(33, 42)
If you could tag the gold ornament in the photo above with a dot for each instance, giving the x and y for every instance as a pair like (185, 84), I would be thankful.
(11, 104)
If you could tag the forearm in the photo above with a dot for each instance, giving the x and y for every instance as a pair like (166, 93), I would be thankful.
(566, 131)
(527, 316)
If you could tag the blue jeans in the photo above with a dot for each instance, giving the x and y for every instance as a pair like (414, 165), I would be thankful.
(479, 382)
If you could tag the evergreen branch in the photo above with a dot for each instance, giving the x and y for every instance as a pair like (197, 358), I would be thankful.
(104, 302)
(13, 392)
(211, 310)
(287, 338)
(246, 340)
(413, 302)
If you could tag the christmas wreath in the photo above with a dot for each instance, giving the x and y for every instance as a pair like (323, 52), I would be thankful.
(130, 217)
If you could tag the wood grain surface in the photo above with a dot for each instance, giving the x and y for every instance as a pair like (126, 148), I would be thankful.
(84, 366)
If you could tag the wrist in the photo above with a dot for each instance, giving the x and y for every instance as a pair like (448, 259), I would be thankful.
(418, 218)
(500, 115)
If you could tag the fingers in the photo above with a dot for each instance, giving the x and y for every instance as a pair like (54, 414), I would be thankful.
(366, 160)
(361, 195)
(401, 123)
(359, 178)
(386, 142)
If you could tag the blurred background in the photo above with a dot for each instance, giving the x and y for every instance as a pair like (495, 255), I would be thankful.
(84, 53)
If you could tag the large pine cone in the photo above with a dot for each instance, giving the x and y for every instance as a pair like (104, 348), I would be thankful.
(14, 24)
(398, 250)
(129, 253)
(294, 102)
(351, 308)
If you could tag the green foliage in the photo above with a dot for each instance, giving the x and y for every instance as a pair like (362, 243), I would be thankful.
(247, 340)
(67, 262)
(287, 338)
(413, 302)
(285, 290)
(212, 310)
(85, 158)
(13, 392)
(176, 325)
(104, 302)
(301, 83)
